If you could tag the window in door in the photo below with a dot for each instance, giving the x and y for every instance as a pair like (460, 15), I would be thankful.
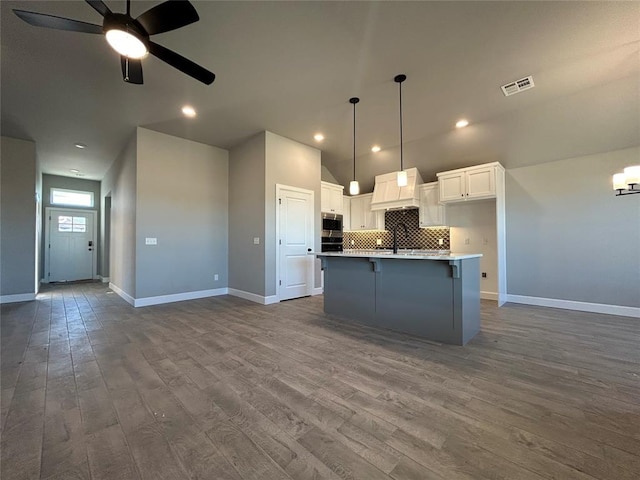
(72, 224)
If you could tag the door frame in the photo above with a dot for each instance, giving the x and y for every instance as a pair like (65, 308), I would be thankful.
(311, 271)
(47, 242)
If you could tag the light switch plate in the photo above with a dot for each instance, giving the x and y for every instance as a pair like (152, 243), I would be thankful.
(256, 240)
(150, 241)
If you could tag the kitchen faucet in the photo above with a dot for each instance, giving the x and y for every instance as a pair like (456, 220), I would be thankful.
(395, 235)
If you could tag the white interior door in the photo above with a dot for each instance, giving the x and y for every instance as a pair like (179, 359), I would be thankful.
(295, 239)
(72, 245)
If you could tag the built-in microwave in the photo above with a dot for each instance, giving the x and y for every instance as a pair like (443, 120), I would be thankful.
(332, 222)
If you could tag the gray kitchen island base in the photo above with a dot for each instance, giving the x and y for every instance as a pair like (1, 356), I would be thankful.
(435, 299)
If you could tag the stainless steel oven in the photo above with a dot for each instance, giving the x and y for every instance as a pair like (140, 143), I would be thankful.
(331, 233)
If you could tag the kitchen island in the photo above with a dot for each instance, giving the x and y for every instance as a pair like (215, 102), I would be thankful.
(431, 295)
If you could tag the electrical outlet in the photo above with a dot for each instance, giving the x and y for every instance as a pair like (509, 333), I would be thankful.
(441, 241)
(466, 241)
(150, 241)
(484, 274)
(353, 242)
(215, 277)
(378, 241)
(256, 240)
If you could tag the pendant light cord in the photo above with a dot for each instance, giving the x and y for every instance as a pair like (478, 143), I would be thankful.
(353, 101)
(401, 156)
(399, 79)
(354, 142)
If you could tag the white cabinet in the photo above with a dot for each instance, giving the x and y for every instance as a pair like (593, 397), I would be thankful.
(330, 198)
(362, 218)
(473, 183)
(346, 213)
(432, 212)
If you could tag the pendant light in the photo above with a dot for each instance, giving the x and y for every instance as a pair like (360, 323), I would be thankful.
(354, 186)
(402, 175)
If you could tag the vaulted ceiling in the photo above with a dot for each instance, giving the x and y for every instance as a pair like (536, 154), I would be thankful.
(290, 68)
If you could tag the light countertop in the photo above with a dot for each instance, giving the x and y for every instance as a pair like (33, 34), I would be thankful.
(402, 254)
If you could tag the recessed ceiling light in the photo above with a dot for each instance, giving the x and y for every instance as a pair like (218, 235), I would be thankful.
(375, 149)
(73, 170)
(80, 145)
(318, 137)
(189, 111)
(462, 123)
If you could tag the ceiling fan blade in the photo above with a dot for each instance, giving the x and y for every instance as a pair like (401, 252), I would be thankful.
(168, 16)
(59, 23)
(131, 70)
(183, 64)
(99, 6)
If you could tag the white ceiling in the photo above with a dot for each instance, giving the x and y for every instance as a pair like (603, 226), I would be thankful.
(290, 68)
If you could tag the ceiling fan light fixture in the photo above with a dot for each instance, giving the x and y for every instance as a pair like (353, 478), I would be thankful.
(126, 43)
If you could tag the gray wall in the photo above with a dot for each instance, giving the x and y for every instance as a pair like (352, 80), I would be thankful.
(568, 236)
(476, 221)
(17, 217)
(182, 200)
(70, 183)
(246, 215)
(120, 183)
(327, 176)
(296, 165)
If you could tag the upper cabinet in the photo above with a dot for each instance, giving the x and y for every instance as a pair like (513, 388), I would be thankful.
(331, 198)
(432, 212)
(362, 218)
(473, 183)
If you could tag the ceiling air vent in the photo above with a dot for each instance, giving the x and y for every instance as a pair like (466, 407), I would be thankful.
(518, 86)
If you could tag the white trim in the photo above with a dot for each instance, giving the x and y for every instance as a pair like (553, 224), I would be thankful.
(317, 291)
(103, 279)
(121, 293)
(178, 297)
(17, 297)
(489, 296)
(573, 305)
(253, 297)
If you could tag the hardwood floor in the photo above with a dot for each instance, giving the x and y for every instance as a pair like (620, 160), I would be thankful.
(223, 388)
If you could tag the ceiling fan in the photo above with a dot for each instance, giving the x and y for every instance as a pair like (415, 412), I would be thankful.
(130, 36)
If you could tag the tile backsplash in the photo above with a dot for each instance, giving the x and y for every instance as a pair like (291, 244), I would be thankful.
(418, 238)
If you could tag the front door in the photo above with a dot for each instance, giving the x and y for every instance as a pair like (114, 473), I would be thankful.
(295, 229)
(71, 245)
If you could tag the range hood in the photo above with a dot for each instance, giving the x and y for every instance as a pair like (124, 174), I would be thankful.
(387, 195)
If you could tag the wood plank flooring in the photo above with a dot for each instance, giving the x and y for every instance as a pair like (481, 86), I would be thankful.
(223, 388)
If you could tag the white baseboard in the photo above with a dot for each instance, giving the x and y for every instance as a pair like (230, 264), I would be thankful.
(121, 293)
(178, 297)
(17, 297)
(253, 297)
(103, 279)
(573, 305)
(317, 291)
(488, 295)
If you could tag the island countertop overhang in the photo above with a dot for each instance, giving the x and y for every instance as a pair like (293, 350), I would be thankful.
(406, 255)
